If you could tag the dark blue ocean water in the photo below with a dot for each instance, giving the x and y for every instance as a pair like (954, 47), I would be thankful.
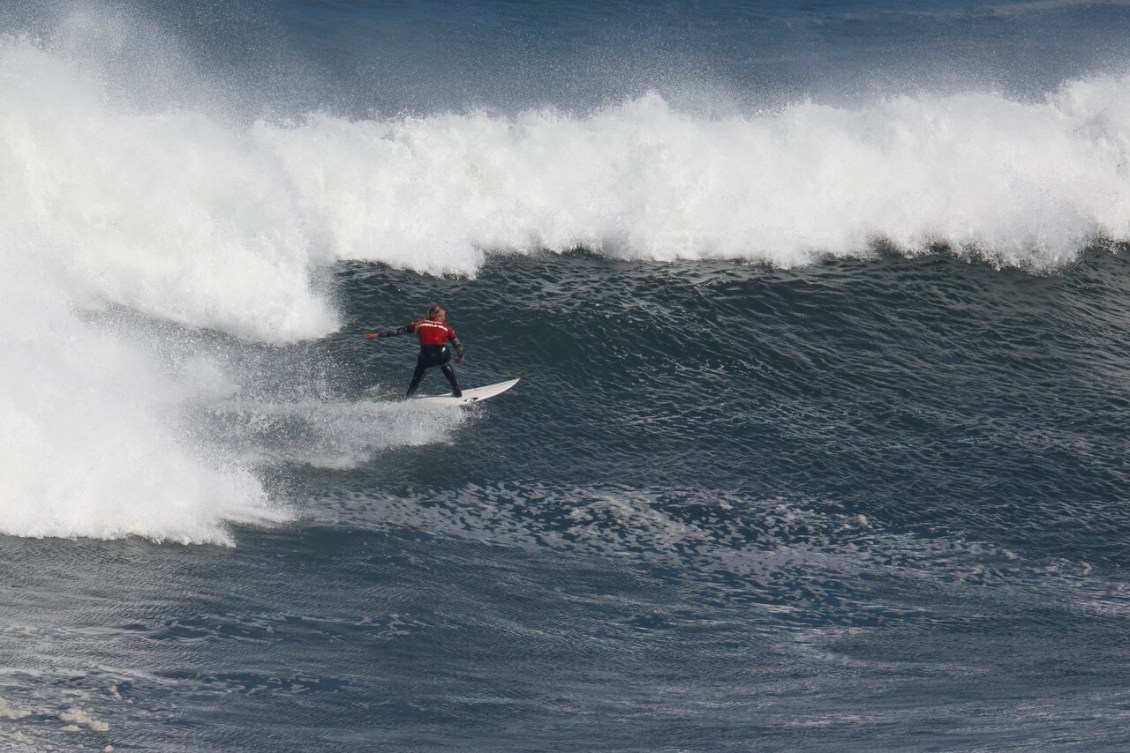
(820, 314)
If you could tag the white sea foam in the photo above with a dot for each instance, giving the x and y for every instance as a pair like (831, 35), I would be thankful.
(181, 215)
(1021, 183)
(88, 442)
(77, 718)
(104, 207)
(9, 713)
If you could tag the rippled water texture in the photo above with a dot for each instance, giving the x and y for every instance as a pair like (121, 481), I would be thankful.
(819, 315)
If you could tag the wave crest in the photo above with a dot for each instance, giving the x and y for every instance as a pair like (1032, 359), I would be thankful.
(1021, 183)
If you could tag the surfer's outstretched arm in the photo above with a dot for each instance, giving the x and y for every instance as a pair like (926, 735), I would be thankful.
(389, 332)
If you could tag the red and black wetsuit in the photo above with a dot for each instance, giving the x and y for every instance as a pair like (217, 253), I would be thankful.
(433, 336)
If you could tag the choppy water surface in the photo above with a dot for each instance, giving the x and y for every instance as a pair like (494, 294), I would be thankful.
(820, 320)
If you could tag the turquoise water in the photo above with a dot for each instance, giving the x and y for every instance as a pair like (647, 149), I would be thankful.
(818, 311)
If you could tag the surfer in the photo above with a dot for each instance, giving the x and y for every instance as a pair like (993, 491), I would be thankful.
(433, 334)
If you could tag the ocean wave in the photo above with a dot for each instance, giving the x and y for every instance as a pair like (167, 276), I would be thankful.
(212, 223)
(1021, 184)
(185, 216)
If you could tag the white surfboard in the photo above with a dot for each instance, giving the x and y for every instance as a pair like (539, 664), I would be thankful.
(473, 395)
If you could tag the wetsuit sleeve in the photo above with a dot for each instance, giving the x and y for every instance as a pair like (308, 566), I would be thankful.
(396, 331)
(455, 341)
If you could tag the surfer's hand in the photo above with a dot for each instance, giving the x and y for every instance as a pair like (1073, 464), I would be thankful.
(458, 361)
(373, 335)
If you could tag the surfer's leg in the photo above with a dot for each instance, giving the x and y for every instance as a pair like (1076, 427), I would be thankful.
(417, 375)
(450, 374)
(430, 355)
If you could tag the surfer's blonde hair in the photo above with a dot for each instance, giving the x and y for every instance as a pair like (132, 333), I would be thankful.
(435, 310)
